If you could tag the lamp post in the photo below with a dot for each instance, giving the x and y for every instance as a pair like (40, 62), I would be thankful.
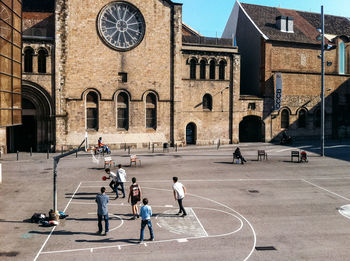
(322, 84)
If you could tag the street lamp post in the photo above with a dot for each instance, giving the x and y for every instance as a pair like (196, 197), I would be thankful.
(322, 84)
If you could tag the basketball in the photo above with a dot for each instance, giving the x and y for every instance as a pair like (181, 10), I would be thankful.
(104, 178)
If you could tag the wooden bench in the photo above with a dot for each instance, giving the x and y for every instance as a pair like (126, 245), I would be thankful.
(134, 159)
(108, 162)
(294, 153)
(262, 155)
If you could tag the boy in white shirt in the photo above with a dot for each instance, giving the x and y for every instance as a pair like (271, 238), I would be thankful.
(179, 194)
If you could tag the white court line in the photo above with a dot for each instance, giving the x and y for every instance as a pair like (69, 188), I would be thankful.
(331, 192)
(302, 147)
(199, 222)
(47, 239)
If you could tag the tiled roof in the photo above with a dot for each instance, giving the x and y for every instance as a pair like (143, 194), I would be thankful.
(305, 23)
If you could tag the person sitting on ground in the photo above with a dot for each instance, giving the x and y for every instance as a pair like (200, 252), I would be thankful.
(135, 195)
(238, 155)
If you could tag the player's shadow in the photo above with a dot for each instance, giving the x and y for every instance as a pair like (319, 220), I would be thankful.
(81, 194)
(224, 162)
(97, 168)
(109, 240)
(85, 198)
(62, 233)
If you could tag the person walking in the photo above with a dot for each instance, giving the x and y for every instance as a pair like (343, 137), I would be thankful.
(135, 195)
(179, 194)
(121, 178)
(146, 213)
(113, 177)
(102, 210)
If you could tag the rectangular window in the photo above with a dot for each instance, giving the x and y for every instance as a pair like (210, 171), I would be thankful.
(91, 121)
(151, 118)
(123, 118)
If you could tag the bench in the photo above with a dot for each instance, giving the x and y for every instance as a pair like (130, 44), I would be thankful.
(294, 153)
(262, 155)
(108, 162)
(134, 159)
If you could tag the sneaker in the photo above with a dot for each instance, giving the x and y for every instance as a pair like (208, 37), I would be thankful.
(184, 215)
(138, 216)
(116, 197)
(106, 233)
(141, 241)
(178, 213)
(151, 239)
(98, 232)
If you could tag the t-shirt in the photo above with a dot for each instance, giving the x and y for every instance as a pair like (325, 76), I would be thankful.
(113, 176)
(102, 200)
(121, 175)
(135, 192)
(146, 212)
(178, 187)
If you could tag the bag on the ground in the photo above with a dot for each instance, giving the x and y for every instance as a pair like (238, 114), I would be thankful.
(37, 217)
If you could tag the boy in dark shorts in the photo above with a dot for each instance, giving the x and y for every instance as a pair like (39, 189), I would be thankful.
(135, 195)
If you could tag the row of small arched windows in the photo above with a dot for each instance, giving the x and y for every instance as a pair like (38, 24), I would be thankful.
(302, 117)
(203, 64)
(28, 60)
(92, 121)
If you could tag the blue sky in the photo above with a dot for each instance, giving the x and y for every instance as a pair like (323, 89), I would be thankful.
(209, 17)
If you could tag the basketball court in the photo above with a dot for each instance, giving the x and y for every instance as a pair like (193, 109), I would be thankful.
(263, 210)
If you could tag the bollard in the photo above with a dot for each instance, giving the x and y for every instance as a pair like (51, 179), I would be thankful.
(76, 154)
(17, 154)
(218, 145)
(153, 148)
(61, 149)
(0, 153)
(176, 147)
(124, 146)
(48, 156)
(31, 151)
(149, 146)
(128, 150)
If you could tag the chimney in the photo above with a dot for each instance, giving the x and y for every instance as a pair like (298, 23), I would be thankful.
(281, 23)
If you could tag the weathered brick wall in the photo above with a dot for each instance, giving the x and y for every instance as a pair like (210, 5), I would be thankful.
(301, 79)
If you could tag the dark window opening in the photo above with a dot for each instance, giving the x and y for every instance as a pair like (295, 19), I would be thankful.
(302, 119)
(42, 54)
(285, 119)
(123, 111)
(207, 102)
(202, 69)
(92, 111)
(151, 111)
(28, 60)
(212, 70)
(251, 106)
(193, 65)
(222, 67)
(123, 76)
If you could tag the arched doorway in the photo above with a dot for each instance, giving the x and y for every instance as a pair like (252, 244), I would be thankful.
(251, 129)
(37, 129)
(191, 134)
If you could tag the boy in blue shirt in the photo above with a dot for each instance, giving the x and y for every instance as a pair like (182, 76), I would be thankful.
(146, 213)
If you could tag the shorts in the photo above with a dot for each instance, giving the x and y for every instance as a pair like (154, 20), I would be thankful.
(134, 202)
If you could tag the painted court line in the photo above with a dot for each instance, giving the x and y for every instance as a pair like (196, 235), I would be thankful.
(194, 214)
(331, 192)
(47, 239)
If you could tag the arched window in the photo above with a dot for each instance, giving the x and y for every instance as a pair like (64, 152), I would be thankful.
(193, 65)
(92, 111)
(123, 111)
(42, 54)
(285, 119)
(341, 58)
(151, 111)
(222, 66)
(212, 70)
(202, 69)
(207, 102)
(302, 119)
(317, 118)
(28, 60)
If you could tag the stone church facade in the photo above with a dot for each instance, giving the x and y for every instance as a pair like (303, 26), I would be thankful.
(129, 72)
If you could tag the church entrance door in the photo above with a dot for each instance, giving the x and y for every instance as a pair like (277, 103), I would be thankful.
(191, 134)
